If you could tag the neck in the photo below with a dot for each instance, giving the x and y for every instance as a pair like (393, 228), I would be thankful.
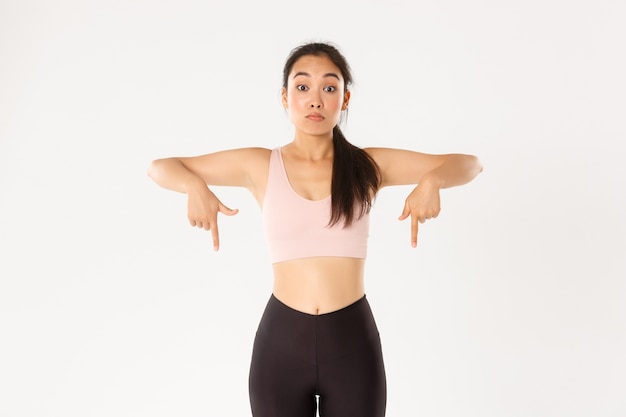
(313, 147)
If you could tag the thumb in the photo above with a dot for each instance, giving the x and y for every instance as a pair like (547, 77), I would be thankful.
(405, 212)
(227, 211)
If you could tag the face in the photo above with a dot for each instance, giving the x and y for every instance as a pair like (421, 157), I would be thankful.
(315, 95)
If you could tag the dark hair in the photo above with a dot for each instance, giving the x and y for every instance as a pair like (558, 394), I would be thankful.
(356, 177)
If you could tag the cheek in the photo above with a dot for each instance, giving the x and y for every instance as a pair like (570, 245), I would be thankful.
(335, 104)
(293, 101)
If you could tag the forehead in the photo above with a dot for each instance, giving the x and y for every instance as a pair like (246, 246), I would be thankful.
(315, 66)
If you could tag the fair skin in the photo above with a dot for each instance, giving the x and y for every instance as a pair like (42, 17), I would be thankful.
(314, 99)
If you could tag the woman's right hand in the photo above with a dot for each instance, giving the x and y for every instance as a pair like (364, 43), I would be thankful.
(202, 209)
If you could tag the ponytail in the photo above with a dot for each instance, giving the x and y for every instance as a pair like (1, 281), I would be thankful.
(355, 181)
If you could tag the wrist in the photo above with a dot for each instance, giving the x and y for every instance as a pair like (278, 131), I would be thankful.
(431, 179)
(194, 184)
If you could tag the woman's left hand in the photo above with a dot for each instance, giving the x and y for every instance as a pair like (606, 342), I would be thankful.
(422, 204)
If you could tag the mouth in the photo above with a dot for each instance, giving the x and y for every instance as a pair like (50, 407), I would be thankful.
(316, 117)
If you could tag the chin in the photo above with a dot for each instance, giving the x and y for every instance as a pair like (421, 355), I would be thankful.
(319, 130)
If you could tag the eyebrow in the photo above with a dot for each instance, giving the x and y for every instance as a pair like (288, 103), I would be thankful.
(306, 74)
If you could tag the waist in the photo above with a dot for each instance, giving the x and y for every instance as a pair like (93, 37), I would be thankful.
(319, 285)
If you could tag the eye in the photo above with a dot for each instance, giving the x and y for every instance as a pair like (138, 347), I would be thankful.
(330, 89)
(301, 87)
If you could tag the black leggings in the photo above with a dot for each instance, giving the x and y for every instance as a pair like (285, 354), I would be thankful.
(336, 356)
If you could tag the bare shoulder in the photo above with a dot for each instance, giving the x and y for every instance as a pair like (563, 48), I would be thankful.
(245, 156)
(257, 161)
(250, 154)
(256, 158)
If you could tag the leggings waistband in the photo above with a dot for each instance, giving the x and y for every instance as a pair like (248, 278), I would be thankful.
(317, 337)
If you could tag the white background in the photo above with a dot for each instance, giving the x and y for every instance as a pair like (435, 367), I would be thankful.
(512, 305)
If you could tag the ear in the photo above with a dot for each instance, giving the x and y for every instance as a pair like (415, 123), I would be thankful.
(283, 97)
(346, 100)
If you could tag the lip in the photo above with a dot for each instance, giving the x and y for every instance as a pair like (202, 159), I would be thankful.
(315, 117)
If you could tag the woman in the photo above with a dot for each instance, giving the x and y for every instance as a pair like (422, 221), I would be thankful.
(317, 342)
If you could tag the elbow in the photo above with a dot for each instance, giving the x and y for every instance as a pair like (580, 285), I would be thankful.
(470, 165)
(477, 164)
(154, 168)
(467, 163)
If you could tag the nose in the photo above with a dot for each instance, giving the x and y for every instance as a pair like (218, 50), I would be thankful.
(316, 100)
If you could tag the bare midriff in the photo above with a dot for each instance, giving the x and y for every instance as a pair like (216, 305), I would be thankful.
(319, 285)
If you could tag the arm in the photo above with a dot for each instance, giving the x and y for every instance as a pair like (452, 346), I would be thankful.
(236, 168)
(191, 175)
(430, 172)
(403, 167)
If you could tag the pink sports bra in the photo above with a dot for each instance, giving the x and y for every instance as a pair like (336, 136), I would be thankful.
(297, 228)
